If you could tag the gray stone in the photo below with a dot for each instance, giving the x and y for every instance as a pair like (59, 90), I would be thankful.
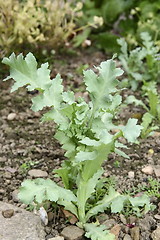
(22, 225)
(127, 237)
(37, 173)
(123, 219)
(109, 223)
(72, 233)
(156, 234)
(11, 116)
(135, 234)
(148, 170)
(157, 170)
(131, 174)
(15, 195)
(57, 238)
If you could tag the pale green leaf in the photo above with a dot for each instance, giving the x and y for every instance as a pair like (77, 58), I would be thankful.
(118, 204)
(131, 131)
(24, 71)
(52, 96)
(40, 190)
(95, 232)
(69, 206)
(68, 97)
(132, 99)
(90, 142)
(102, 205)
(101, 86)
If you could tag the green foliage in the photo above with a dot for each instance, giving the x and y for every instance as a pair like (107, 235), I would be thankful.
(83, 130)
(141, 63)
(150, 119)
(97, 232)
(129, 19)
(36, 24)
(150, 188)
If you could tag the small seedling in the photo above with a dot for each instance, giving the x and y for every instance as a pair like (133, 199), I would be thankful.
(84, 129)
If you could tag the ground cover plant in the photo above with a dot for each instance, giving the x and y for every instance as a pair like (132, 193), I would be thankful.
(85, 131)
(142, 69)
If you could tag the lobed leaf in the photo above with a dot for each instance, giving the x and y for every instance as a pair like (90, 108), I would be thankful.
(24, 71)
(40, 190)
(98, 232)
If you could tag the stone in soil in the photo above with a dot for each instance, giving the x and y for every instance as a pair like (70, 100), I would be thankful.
(131, 174)
(15, 195)
(127, 237)
(11, 116)
(36, 173)
(22, 225)
(57, 238)
(72, 233)
(135, 234)
(157, 170)
(148, 170)
(156, 234)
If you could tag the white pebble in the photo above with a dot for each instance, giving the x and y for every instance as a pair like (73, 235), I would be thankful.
(131, 174)
(148, 170)
(11, 116)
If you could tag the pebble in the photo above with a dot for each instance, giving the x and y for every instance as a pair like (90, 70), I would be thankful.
(109, 223)
(11, 116)
(50, 216)
(131, 174)
(148, 170)
(135, 233)
(15, 195)
(72, 233)
(8, 175)
(157, 217)
(8, 213)
(37, 173)
(127, 237)
(123, 219)
(157, 170)
(116, 230)
(57, 238)
(156, 234)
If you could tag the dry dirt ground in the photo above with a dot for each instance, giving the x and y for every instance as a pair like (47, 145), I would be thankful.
(27, 144)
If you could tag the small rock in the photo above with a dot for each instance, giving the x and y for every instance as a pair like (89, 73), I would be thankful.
(157, 217)
(131, 174)
(37, 173)
(57, 238)
(8, 213)
(50, 216)
(157, 170)
(15, 195)
(72, 233)
(22, 225)
(116, 230)
(156, 234)
(132, 219)
(109, 223)
(127, 237)
(2, 191)
(148, 170)
(135, 233)
(11, 116)
(7, 175)
(70, 216)
(123, 219)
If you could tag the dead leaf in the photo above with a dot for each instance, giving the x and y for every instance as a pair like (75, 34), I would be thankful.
(71, 217)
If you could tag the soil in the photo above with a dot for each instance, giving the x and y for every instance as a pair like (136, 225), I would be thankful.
(27, 144)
